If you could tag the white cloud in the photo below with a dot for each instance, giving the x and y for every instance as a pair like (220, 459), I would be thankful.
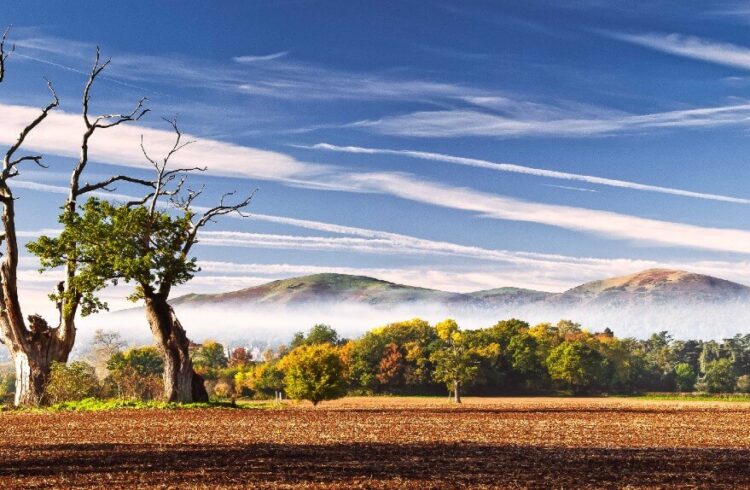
(256, 58)
(510, 167)
(468, 122)
(602, 223)
(273, 75)
(691, 47)
(60, 135)
(607, 224)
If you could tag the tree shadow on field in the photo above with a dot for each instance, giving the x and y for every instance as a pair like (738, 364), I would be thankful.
(370, 465)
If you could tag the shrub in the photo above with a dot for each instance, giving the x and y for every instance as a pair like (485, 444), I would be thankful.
(7, 386)
(743, 383)
(222, 389)
(136, 374)
(71, 382)
(314, 373)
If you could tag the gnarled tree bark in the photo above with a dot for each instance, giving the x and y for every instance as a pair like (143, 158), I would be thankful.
(181, 383)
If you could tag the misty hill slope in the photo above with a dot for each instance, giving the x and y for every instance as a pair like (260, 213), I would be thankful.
(653, 287)
(647, 288)
(327, 288)
(510, 296)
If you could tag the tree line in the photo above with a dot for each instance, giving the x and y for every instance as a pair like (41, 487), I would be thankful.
(413, 357)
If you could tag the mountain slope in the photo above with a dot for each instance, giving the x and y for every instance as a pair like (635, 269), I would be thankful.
(510, 296)
(329, 288)
(650, 287)
(655, 286)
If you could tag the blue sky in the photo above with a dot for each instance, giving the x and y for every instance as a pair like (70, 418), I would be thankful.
(455, 145)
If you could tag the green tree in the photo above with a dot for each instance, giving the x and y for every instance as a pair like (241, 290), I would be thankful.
(211, 355)
(145, 361)
(139, 243)
(318, 334)
(314, 373)
(577, 365)
(719, 377)
(456, 361)
(685, 376)
(71, 382)
(268, 379)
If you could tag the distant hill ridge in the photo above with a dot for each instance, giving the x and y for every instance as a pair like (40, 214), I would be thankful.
(652, 286)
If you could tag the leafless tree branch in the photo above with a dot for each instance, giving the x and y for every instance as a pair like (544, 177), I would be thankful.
(118, 178)
(9, 164)
(220, 210)
(3, 53)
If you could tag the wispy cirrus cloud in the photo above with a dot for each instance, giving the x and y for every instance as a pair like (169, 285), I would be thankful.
(605, 224)
(468, 122)
(59, 133)
(262, 57)
(539, 172)
(274, 75)
(719, 53)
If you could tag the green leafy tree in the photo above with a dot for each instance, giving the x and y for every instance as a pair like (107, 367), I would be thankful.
(577, 365)
(456, 361)
(146, 361)
(211, 355)
(719, 377)
(685, 376)
(318, 334)
(139, 243)
(269, 379)
(314, 373)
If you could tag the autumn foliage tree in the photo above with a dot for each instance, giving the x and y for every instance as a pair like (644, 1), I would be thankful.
(391, 367)
(314, 373)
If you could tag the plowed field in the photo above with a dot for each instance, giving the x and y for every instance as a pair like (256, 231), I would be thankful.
(385, 443)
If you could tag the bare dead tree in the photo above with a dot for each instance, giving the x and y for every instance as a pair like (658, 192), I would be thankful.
(36, 345)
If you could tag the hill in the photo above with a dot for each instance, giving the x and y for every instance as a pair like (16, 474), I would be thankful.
(650, 287)
(327, 288)
(654, 287)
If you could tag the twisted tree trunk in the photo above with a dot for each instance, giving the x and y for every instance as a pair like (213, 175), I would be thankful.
(181, 383)
(34, 362)
(33, 347)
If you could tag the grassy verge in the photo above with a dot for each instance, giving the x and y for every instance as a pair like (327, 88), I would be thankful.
(96, 405)
(696, 397)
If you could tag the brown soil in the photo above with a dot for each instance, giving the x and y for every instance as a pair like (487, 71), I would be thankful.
(385, 443)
